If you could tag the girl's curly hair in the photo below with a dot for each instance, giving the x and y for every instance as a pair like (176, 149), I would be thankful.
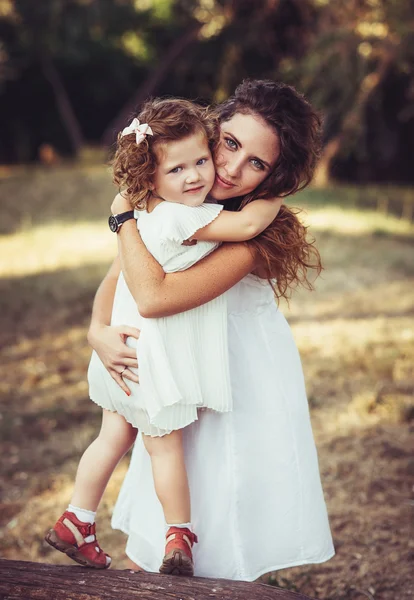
(284, 250)
(170, 119)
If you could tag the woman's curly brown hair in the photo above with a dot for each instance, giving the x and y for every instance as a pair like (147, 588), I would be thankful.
(171, 119)
(284, 250)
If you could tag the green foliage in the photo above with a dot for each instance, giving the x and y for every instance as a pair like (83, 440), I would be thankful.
(359, 70)
(354, 60)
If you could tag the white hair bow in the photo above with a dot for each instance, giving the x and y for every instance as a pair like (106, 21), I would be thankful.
(140, 130)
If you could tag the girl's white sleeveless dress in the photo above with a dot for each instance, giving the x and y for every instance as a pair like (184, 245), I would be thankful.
(256, 496)
(173, 352)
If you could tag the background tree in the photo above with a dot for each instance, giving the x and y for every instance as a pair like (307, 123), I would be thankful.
(72, 71)
(359, 70)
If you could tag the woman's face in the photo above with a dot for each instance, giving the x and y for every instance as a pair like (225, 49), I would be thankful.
(246, 155)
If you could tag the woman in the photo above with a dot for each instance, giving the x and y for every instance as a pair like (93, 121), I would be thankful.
(257, 502)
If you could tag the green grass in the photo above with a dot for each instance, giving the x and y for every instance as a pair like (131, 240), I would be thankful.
(78, 193)
(354, 332)
(37, 197)
(361, 196)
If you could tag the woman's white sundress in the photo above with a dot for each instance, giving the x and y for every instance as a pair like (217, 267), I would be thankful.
(256, 497)
(175, 354)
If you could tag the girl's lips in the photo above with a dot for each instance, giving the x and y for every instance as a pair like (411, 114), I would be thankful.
(223, 183)
(194, 190)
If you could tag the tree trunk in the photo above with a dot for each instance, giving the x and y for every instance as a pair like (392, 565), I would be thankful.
(67, 114)
(323, 168)
(150, 84)
(371, 82)
(36, 581)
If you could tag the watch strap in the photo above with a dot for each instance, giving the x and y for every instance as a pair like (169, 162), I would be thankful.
(125, 216)
(115, 221)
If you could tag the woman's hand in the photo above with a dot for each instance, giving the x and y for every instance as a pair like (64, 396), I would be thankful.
(120, 204)
(109, 343)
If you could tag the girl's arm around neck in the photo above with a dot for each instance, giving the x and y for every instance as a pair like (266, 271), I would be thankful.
(242, 225)
(158, 294)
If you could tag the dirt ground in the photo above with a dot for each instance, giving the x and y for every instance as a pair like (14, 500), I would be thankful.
(356, 338)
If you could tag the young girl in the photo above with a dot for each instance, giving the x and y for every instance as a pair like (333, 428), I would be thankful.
(164, 161)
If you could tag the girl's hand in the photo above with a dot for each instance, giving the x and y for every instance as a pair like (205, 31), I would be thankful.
(120, 205)
(109, 343)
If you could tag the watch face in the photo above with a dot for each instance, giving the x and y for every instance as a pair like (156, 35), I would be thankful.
(113, 223)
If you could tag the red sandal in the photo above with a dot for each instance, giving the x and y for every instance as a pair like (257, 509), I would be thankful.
(178, 559)
(68, 536)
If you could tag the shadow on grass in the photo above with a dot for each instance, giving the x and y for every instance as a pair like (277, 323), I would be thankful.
(351, 316)
(47, 302)
(48, 420)
(390, 199)
(65, 195)
(55, 301)
(41, 195)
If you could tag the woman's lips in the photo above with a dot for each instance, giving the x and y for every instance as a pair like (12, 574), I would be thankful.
(227, 185)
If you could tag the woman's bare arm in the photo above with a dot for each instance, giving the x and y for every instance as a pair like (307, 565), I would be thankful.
(104, 298)
(158, 294)
(107, 341)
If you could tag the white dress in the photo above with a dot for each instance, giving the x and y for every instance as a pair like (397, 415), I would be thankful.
(256, 497)
(173, 352)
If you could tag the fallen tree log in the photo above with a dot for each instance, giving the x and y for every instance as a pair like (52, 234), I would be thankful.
(29, 581)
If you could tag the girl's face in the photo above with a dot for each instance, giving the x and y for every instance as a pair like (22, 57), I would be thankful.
(246, 155)
(185, 171)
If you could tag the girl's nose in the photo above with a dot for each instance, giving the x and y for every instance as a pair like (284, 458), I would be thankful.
(193, 176)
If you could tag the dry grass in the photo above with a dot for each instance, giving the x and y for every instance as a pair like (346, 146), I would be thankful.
(354, 332)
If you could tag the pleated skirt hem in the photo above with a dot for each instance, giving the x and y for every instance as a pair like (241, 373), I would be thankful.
(137, 417)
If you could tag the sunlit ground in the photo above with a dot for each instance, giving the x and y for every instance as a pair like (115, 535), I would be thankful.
(355, 334)
(54, 247)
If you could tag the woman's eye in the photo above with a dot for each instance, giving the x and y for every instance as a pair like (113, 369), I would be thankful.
(256, 163)
(202, 161)
(230, 143)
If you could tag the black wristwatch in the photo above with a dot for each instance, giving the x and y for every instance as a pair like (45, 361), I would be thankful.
(115, 221)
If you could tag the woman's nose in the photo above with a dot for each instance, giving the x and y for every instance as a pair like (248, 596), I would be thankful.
(233, 166)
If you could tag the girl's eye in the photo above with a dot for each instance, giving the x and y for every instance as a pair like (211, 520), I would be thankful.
(230, 143)
(257, 164)
(176, 170)
(202, 161)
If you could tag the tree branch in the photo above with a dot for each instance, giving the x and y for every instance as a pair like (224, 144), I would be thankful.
(67, 114)
(36, 581)
(150, 84)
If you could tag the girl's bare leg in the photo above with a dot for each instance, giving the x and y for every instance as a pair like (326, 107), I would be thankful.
(100, 459)
(170, 476)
